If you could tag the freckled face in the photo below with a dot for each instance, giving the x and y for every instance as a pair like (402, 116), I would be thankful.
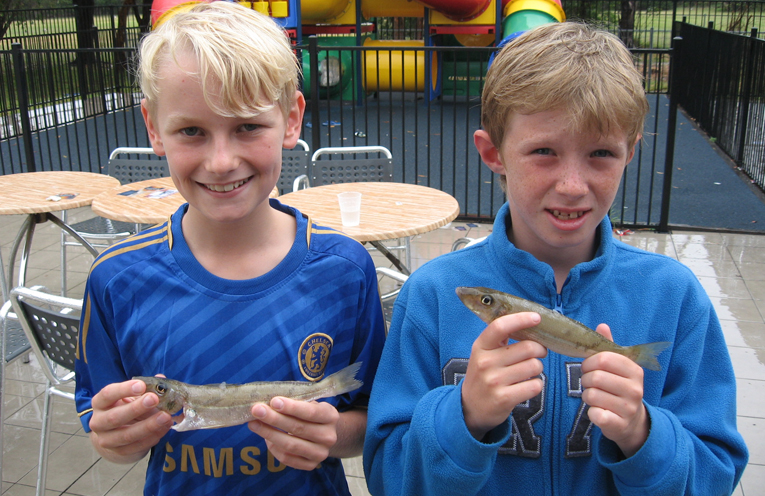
(225, 167)
(560, 184)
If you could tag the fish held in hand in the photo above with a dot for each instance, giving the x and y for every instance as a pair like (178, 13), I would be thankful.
(556, 331)
(222, 405)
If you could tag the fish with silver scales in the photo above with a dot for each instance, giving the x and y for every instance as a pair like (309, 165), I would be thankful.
(556, 331)
(221, 405)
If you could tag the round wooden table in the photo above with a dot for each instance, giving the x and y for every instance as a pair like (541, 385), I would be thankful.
(30, 193)
(388, 210)
(140, 207)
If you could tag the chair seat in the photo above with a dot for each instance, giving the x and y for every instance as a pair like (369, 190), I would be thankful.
(103, 228)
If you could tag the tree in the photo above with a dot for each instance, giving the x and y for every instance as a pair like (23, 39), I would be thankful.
(627, 23)
(7, 14)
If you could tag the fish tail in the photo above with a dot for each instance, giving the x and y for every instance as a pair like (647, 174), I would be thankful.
(343, 381)
(645, 354)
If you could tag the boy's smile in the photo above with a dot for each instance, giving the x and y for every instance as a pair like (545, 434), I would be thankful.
(225, 166)
(560, 182)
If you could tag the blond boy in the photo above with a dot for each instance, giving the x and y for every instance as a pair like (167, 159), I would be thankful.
(235, 287)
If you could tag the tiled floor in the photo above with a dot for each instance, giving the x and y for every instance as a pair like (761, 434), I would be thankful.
(731, 268)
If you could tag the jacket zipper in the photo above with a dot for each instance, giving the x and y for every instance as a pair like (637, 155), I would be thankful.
(559, 303)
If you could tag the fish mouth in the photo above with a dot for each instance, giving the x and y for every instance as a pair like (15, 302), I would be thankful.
(225, 188)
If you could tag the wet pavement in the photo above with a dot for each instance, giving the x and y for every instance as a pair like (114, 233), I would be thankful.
(731, 267)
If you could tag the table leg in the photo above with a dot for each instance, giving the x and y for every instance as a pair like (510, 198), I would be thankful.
(26, 233)
(24, 230)
(63, 225)
(390, 256)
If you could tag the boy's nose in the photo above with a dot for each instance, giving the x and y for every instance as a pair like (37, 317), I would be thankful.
(572, 182)
(222, 158)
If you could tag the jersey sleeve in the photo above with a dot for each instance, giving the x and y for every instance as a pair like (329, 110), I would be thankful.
(97, 363)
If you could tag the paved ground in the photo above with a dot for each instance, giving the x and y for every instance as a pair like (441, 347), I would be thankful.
(731, 267)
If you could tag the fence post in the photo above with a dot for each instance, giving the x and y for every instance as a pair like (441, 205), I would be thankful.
(669, 157)
(313, 60)
(744, 104)
(21, 88)
(674, 18)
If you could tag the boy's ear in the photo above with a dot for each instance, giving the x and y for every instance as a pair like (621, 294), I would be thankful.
(488, 152)
(633, 148)
(151, 128)
(294, 121)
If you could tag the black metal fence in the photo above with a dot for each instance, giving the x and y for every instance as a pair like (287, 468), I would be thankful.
(74, 27)
(69, 116)
(722, 85)
(648, 23)
(66, 108)
(641, 23)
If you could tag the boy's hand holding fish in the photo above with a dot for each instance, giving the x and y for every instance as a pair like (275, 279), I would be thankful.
(301, 434)
(612, 375)
(613, 388)
(126, 423)
(500, 375)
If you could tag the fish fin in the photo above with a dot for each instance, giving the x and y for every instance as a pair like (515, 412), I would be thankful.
(182, 426)
(647, 353)
(344, 381)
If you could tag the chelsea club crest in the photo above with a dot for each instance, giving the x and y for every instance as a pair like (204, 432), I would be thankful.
(313, 356)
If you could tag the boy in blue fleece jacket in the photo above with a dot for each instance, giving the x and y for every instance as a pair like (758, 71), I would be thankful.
(457, 409)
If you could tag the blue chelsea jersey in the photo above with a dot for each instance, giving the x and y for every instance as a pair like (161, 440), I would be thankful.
(151, 308)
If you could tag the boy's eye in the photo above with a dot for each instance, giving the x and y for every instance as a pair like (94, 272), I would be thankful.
(249, 127)
(543, 151)
(190, 131)
(601, 153)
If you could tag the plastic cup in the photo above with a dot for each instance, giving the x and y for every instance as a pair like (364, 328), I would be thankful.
(350, 207)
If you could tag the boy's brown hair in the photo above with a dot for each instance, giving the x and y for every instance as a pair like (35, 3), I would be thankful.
(571, 66)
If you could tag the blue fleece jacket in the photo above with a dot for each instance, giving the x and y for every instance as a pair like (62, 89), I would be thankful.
(418, 444)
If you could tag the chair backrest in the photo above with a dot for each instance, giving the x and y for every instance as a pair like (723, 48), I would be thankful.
(51, 324)
(294, 165)
(351, 170)
(128, 170)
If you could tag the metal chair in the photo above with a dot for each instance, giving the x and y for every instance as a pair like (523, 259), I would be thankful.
(460, 243)
(295, 164)
(388, 296)
(51, 324)
(100, 231)
(351, 170)
(14, 345)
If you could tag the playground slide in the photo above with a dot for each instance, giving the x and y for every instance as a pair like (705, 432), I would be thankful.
(328, 11)
(392, 66)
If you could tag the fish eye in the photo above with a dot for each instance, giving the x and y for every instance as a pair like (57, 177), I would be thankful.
(160, 389)
(487, 300)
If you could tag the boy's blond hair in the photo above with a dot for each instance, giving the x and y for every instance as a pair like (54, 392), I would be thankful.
(571, 66)
(246, 64)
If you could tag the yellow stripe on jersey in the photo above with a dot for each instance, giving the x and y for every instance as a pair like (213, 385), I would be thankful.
(169, 234)
(84, 334)
(114, 252)
(327, 230)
